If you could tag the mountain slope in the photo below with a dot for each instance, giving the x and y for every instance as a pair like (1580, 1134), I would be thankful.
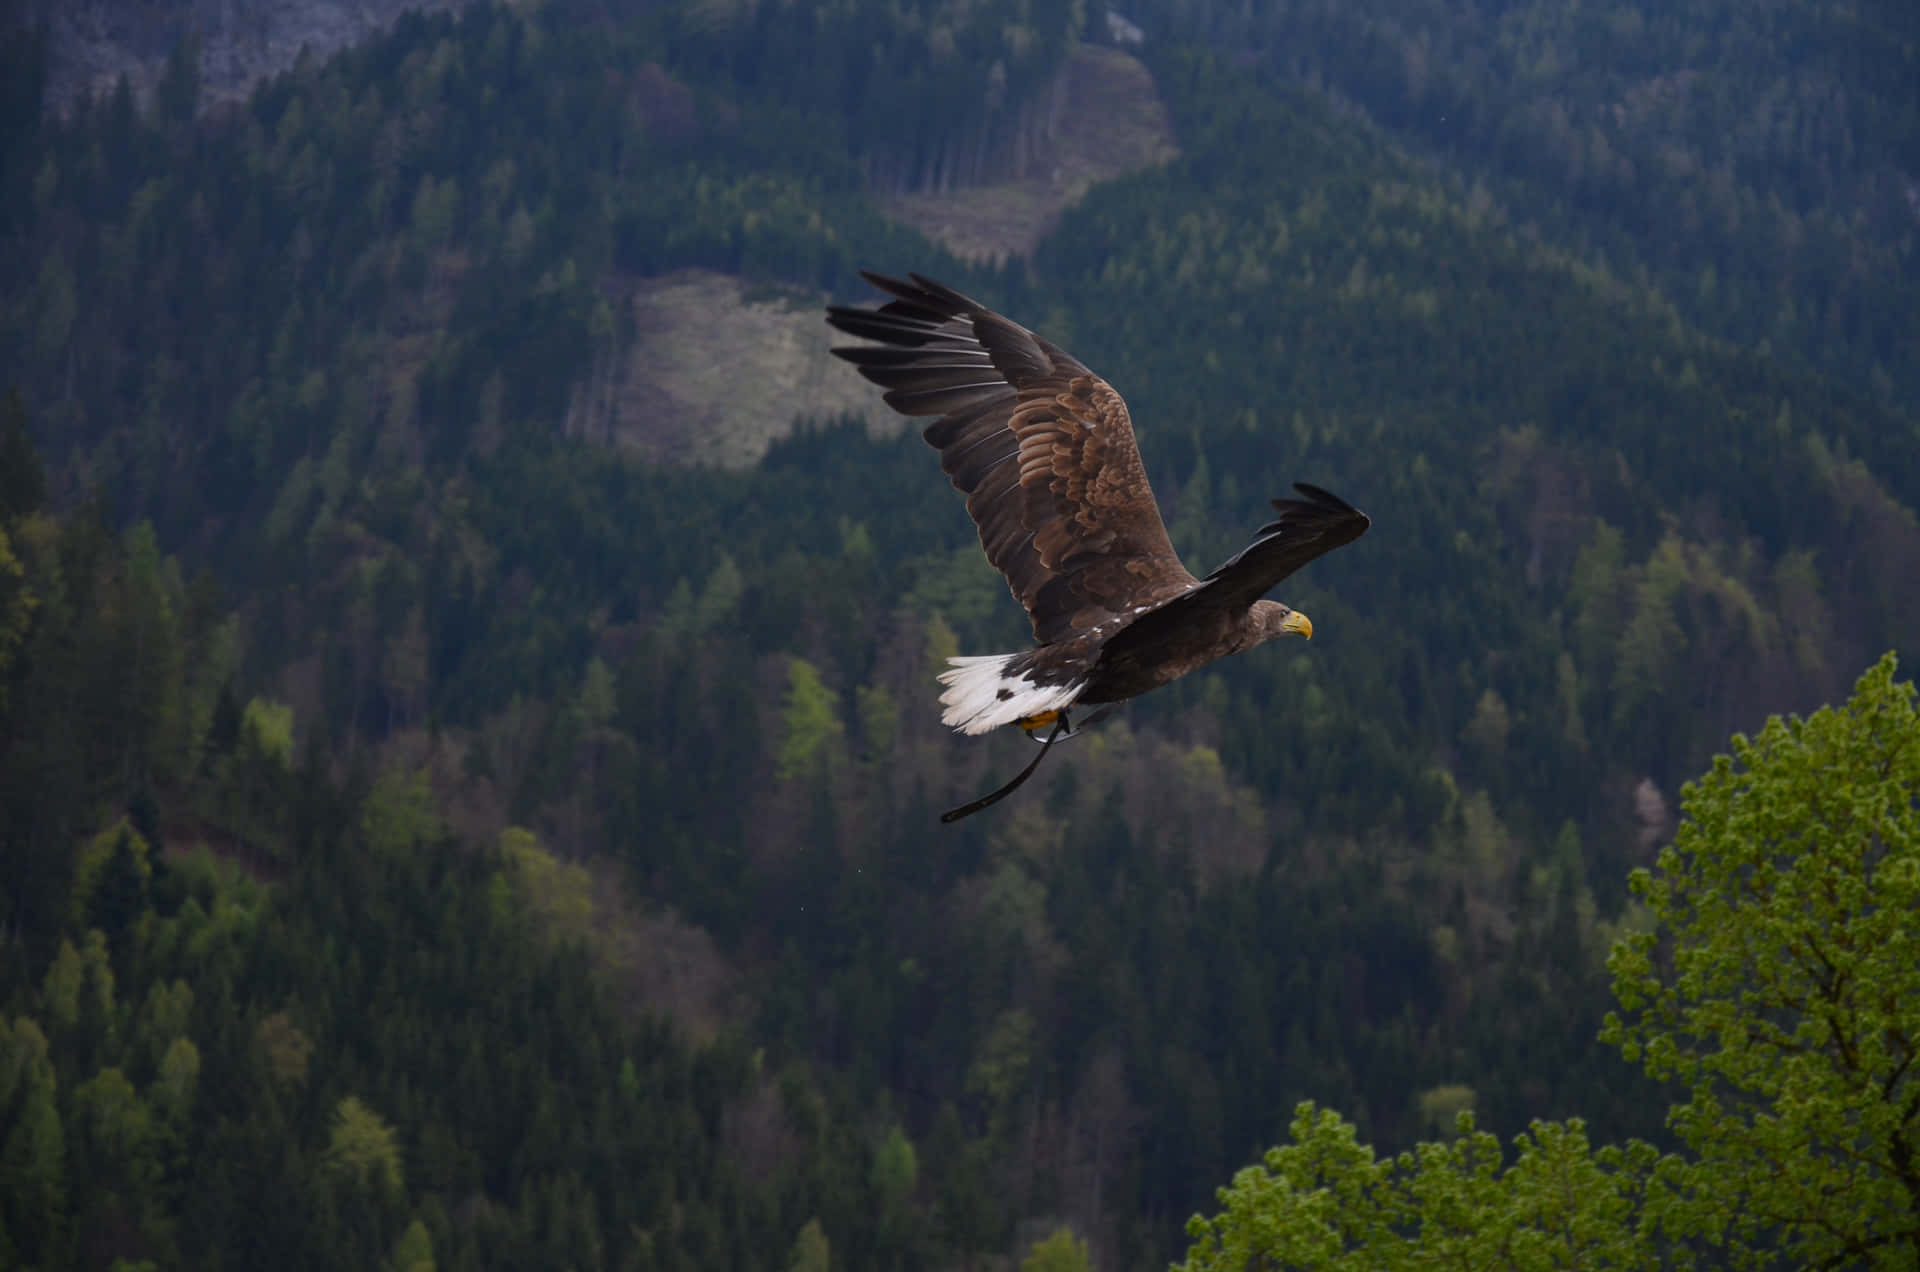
(92, 44)
(1757, 161)
(341, 348)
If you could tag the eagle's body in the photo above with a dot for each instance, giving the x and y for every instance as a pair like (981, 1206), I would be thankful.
(1146, 655)
(1044, 451)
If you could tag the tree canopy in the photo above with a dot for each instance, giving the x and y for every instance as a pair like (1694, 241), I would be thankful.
(1777, 987)
(1781, 988)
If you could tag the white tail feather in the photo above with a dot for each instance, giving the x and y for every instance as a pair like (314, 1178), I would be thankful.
(974, 701)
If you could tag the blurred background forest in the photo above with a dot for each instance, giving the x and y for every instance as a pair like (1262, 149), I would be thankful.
(439, 828)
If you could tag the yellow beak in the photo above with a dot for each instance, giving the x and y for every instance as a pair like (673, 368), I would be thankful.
(1299, 624)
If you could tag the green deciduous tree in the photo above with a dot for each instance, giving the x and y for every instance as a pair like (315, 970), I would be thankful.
(1002, 1066)
(1060, 1251)
(176, 1080)
(287, 1051)
(1326, 1202)
(117, 1143)
(811, 724)
(163, 1018)
(811, 1251)
(399, 812)
(33, 1151)
(60, 991)
(78, 991)
(414, 1251)
(1782, 991)
(363, 1150)
(896, 1168)
(893, 1176)
(558, 894)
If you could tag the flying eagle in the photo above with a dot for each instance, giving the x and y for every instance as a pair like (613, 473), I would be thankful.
(1043, 450)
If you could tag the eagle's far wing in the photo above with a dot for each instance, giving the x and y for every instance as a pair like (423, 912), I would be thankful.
(1304, 529)
(1042, 447)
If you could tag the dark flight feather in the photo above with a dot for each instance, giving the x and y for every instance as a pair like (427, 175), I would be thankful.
(1042, 447)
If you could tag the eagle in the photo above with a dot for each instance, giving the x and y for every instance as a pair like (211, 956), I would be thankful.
(1043, 449)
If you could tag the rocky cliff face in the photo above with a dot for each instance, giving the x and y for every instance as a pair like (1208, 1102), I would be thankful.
(91, 43)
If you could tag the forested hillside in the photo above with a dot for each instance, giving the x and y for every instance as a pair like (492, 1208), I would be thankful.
(271, 1011)
(418, 812)
(1756, 160)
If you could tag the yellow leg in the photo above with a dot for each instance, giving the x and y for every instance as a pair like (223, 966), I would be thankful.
(1041, 721)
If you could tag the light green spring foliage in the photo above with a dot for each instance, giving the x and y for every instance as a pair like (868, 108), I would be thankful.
(811, 724)
(163, 1017)
(1787, 1004)
(811, 1250)
(1441, 1106)
(79, 984)
(558, 894)
(268, 728)
(1780, 991)
(60, 992)
(1061, 1251)
(1326, 1202)
(115, 1131)
(33, 1151)
(400, 812)
(414, 1251)
(363, 1149)
(879, 717)
(175, 1082)
(896, 1169)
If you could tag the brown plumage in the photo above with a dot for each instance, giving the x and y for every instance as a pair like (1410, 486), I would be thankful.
(1044, 451)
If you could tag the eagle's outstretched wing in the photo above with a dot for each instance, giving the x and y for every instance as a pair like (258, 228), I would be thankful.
(1305, 528)
(1042, 447)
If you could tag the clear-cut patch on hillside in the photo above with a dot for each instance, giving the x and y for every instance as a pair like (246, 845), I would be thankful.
(1105, 121)
(717, 372)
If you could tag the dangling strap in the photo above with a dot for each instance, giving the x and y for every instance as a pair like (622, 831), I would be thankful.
(987, 801)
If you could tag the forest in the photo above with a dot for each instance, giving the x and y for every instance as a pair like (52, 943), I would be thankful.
(433, 838)
(1756, 160)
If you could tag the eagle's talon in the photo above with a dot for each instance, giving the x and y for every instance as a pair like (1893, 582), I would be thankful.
(1034, 723)
(1067, 729)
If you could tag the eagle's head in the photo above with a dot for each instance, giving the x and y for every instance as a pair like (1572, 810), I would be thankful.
(1271, 619)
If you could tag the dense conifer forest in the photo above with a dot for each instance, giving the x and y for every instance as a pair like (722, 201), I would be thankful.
(434, 837)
